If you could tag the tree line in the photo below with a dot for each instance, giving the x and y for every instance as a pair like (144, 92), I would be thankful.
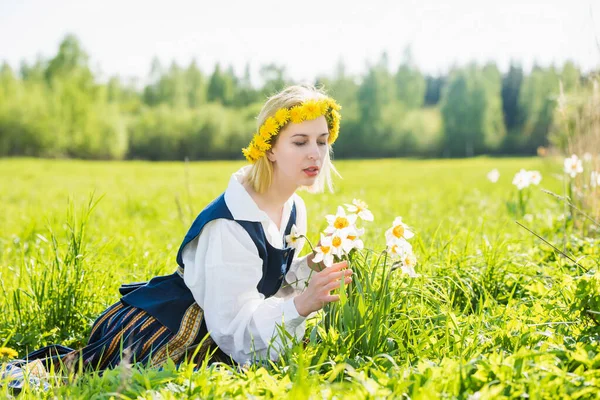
(57, 108)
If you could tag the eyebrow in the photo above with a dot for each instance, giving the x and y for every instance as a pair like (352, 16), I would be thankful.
(305, 135)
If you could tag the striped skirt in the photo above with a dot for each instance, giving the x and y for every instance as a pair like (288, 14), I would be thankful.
(126, 333)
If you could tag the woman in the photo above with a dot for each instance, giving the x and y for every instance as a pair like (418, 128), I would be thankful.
(239, 277)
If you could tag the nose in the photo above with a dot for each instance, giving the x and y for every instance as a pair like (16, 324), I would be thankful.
(314, 153)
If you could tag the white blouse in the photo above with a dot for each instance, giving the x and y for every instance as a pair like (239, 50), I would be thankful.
(223, 268)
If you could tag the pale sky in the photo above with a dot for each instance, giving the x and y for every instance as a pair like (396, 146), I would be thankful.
(308, 37)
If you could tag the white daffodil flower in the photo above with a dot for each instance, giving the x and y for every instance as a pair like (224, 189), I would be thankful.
(398, 230)
(360, 208)
(324, 251)
(493, 175)
(535, 177)
(398, 248)
(522, 179)
(573, 166)
(354, 235)
(340, 220)
(340, 243)
(293, 238)
(409, 262)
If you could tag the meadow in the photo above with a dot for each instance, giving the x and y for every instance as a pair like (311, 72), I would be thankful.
(495, 312)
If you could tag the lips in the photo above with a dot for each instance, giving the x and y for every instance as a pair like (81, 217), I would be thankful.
(312, 169)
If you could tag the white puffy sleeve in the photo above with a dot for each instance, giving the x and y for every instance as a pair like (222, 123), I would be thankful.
(223, 282)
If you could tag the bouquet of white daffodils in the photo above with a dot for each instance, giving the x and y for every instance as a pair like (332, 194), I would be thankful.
(368, 302)
(342, 236)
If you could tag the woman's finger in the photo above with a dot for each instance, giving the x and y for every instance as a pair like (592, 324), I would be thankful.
(336, 284)
(336, 267)
(331, 298)
(339, 274)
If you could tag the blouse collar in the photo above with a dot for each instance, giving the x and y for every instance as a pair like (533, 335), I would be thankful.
(242, 205)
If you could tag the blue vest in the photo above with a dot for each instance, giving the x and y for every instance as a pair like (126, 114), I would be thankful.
(167, 298)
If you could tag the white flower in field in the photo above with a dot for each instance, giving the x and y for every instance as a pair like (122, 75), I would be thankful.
(408, 265)
(360, 208)
(587, 157)
(324, 251)
(397, 248)
(293, 238)
(522, 179)
(398, 230)
(340, 220)
(474, 396)
(354, 235)
(573, 166)
(402, 250)
(535, 177)
(340, 244)
(594, 179)
(493, 175)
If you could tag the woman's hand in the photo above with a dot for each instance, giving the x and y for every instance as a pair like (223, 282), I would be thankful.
(317, 294)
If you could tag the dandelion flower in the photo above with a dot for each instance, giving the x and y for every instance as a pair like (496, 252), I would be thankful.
(296, 115)
(312, 110)
(7, 352)
(282, 116)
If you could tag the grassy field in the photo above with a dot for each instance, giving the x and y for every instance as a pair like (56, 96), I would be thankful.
(496, 313)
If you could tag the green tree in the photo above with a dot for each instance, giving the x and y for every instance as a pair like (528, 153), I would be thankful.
(410, 84)
(220, 87)
(537, 100)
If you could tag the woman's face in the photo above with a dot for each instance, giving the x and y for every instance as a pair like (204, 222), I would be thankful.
(300, 151)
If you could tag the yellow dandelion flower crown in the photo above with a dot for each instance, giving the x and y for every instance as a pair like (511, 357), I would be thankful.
(306, 111)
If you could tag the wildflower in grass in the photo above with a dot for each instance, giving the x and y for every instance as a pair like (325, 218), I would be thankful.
(401, 250)
(398, 230)
(324, 251)
(398, 247)
(7, 353)
(354, 235)
(573, 166)
(493, 175)
(340, 243)
(340, 220)
(360, 208)
(293, 238)
(535, 177)
(587, 157)
(408, 264)
(522, 179)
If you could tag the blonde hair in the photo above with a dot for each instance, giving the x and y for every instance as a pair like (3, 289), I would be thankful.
(260, 175)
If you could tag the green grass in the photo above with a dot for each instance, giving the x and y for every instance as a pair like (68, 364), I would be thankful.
(495, 312)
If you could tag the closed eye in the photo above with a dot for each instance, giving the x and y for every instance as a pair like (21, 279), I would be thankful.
(303, 143)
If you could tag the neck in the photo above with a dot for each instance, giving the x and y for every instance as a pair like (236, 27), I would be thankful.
(276, 195)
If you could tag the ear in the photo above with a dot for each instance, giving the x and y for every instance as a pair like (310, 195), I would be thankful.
(270, 155)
